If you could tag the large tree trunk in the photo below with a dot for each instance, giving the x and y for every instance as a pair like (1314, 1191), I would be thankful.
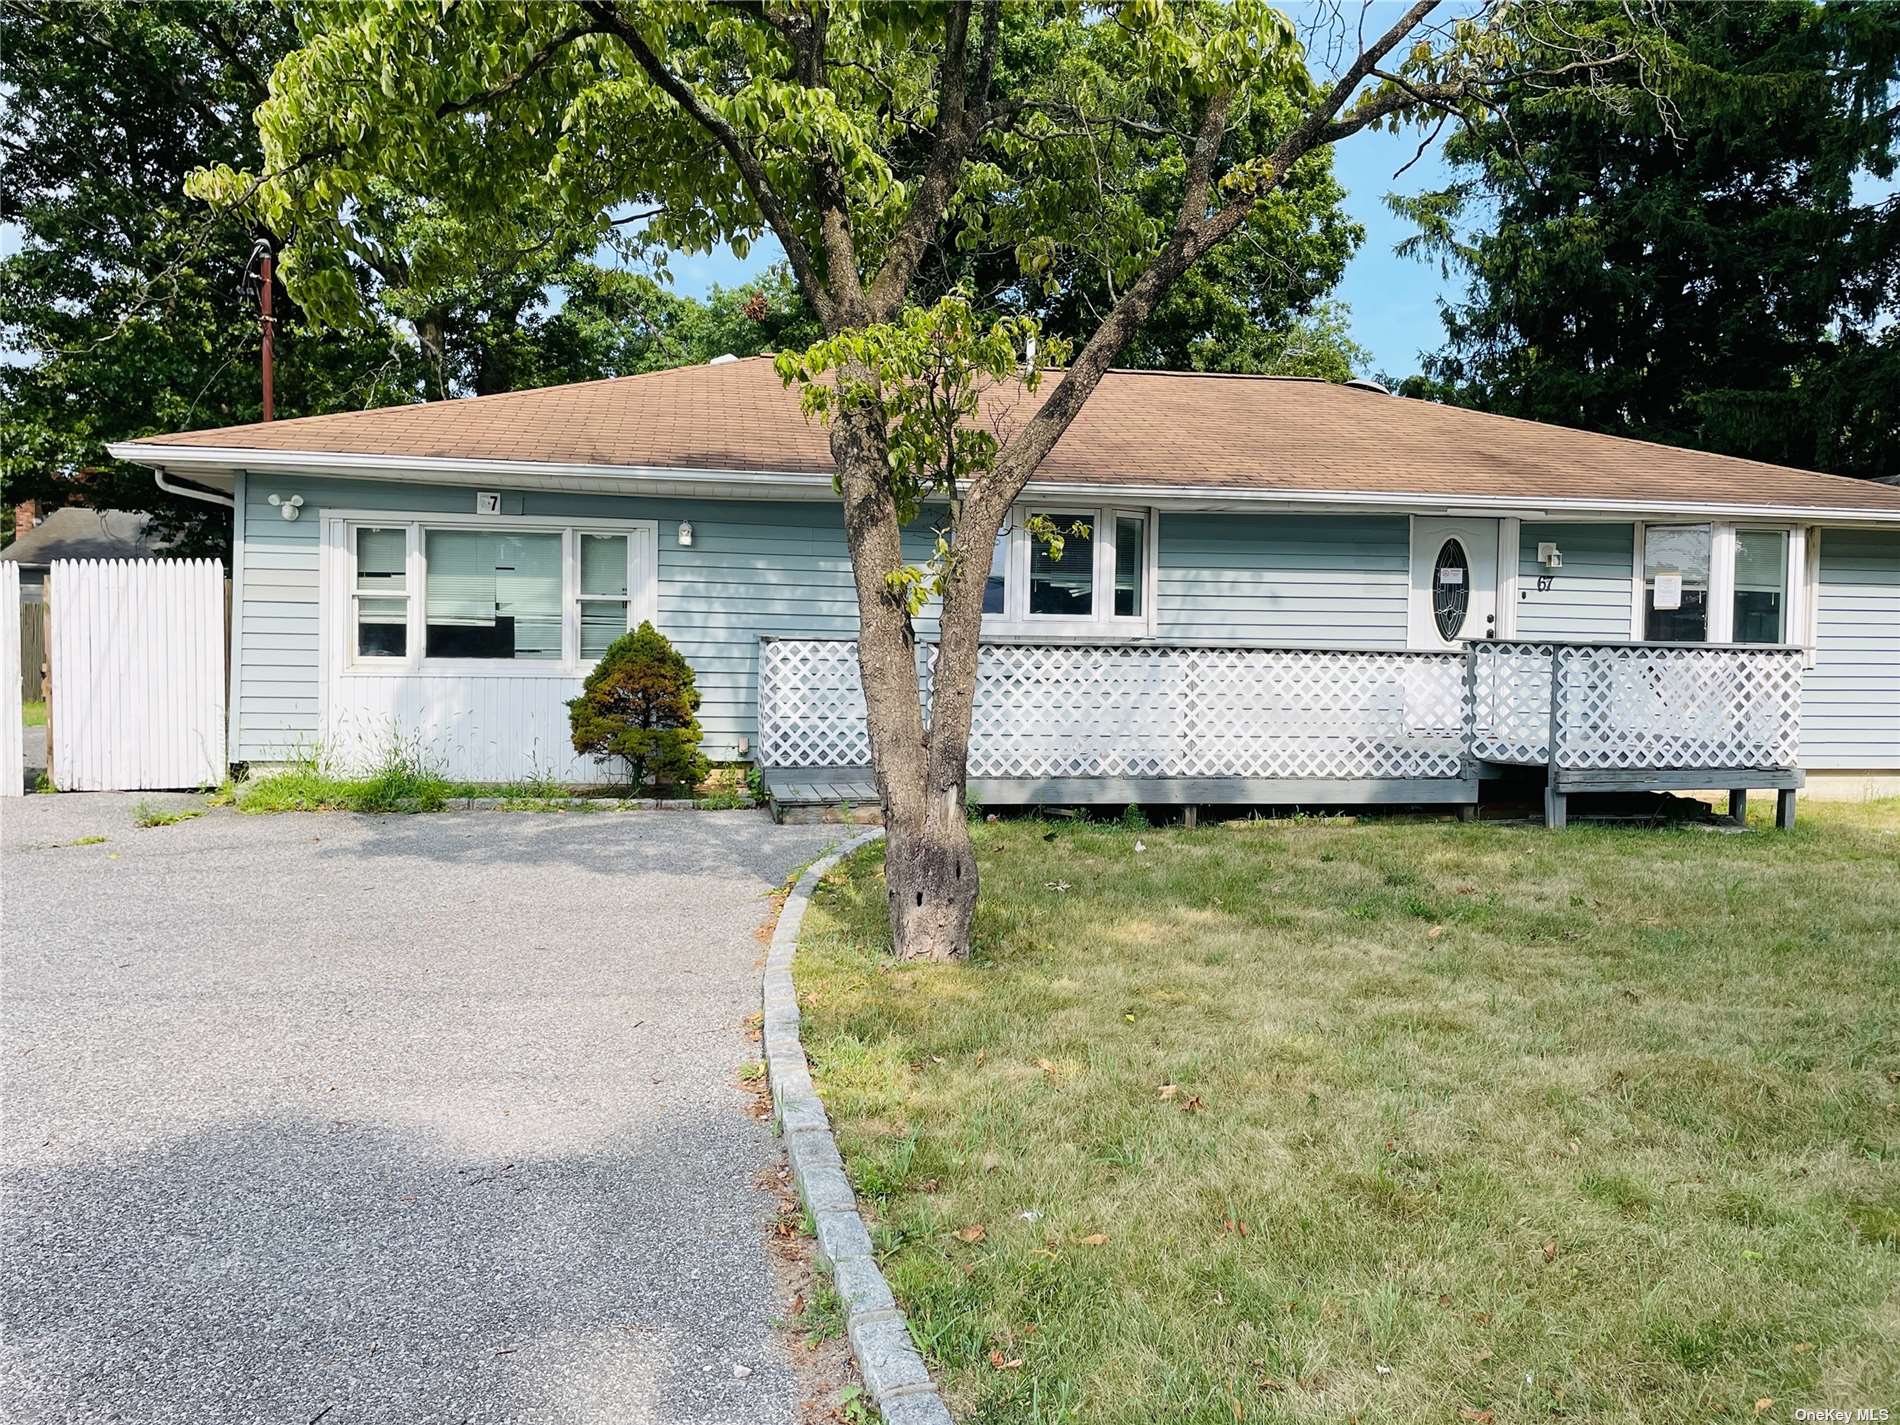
(929, 868)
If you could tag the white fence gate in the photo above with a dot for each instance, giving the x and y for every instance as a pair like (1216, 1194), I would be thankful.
(138, 674)
(12, 733)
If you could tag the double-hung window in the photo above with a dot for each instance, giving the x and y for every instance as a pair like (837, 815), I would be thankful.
(380, 592)
(1761, 586)
(603, 591)
(451, 592)
(1098, 584)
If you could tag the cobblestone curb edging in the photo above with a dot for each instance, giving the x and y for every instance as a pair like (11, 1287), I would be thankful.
(893, 1371)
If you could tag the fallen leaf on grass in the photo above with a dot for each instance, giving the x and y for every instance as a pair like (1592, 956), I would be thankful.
(996, 1360)
(1761, 1406)
(1482, 1417)
(1435, 932)
(1167, 1091)
(1045, 1066)
(1234, 1225)
(1192, 1104)
(981, 1055)
(1481, 1357)
(1801, 1348)
(973, 1234)
(1550, 1250)
(1094, 1239)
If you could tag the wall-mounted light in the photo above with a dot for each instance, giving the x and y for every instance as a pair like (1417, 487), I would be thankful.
(1550, 556)
(686, 534)
(287, 508)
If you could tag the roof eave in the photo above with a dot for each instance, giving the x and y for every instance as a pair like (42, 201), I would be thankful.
(209, 462)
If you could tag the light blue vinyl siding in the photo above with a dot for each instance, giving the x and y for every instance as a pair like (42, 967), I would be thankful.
(755, 567)
(1330, 580)
(780, 567)
(1589, 597)
(1850, 704)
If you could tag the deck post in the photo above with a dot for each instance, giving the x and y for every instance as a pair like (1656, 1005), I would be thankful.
(1191, 816)
(1784, 809)
(1738, 805)
(1556, 808)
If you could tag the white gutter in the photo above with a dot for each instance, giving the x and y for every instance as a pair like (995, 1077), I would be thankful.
(424, 468)
(210, 497)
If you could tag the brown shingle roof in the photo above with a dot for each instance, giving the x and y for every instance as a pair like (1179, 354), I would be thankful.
(1140, 428)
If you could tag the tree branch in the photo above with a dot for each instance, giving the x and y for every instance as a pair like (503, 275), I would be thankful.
(751, 171)
(536, 63)
(1195, 232)
(961, 107)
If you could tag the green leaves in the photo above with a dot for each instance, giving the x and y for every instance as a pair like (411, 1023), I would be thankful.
(925, 378)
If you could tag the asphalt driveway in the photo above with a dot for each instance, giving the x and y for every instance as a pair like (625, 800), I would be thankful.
(418, 1119)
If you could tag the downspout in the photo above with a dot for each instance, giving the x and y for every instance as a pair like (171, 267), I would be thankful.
(192, 492)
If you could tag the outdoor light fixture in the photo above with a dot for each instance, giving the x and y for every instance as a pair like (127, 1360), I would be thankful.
(686, 534)
(1550, 556)
(287, 508)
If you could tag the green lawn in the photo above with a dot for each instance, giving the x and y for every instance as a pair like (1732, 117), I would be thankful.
(1596, 1125)
(33, 711)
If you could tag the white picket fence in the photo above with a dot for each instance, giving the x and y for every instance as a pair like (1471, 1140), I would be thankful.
(137, 661)
(12, 745)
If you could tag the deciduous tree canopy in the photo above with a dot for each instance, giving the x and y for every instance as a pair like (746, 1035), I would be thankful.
(1105, 152)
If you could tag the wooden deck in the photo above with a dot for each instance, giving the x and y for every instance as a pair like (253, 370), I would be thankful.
(819, 787)
(791, 788)
(1191, 725)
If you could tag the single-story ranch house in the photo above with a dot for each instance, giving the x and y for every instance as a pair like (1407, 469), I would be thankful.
(1293, 592)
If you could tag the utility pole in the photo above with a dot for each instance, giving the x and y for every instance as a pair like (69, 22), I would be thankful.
(259, 267)
(264, 321)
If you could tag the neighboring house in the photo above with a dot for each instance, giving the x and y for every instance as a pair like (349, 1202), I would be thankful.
(1283, 579)
(76, 532)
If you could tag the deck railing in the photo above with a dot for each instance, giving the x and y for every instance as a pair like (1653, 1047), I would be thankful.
(1046, 710)
(1635, 706)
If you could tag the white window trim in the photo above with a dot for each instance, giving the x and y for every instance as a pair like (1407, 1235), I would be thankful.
(1017, 622)
(339, 590)
(1510, 555)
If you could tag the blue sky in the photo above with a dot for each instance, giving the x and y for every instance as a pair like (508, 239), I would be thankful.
(1394, 300)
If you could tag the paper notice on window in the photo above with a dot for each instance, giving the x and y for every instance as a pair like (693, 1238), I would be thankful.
(1451, 576)
(1668, 589)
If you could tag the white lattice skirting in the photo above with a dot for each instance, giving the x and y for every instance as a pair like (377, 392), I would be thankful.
(1636, 706)
(1145, 711)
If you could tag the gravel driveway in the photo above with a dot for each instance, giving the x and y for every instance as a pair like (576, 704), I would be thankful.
(418, 1119)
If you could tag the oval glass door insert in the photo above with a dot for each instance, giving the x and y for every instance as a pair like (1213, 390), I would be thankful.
(1451, 589)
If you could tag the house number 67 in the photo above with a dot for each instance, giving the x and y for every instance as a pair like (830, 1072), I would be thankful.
(1546, 582)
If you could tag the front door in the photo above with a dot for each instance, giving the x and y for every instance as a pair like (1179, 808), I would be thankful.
(1454, 581)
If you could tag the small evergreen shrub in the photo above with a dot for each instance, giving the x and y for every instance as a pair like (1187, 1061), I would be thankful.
(638, 707)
